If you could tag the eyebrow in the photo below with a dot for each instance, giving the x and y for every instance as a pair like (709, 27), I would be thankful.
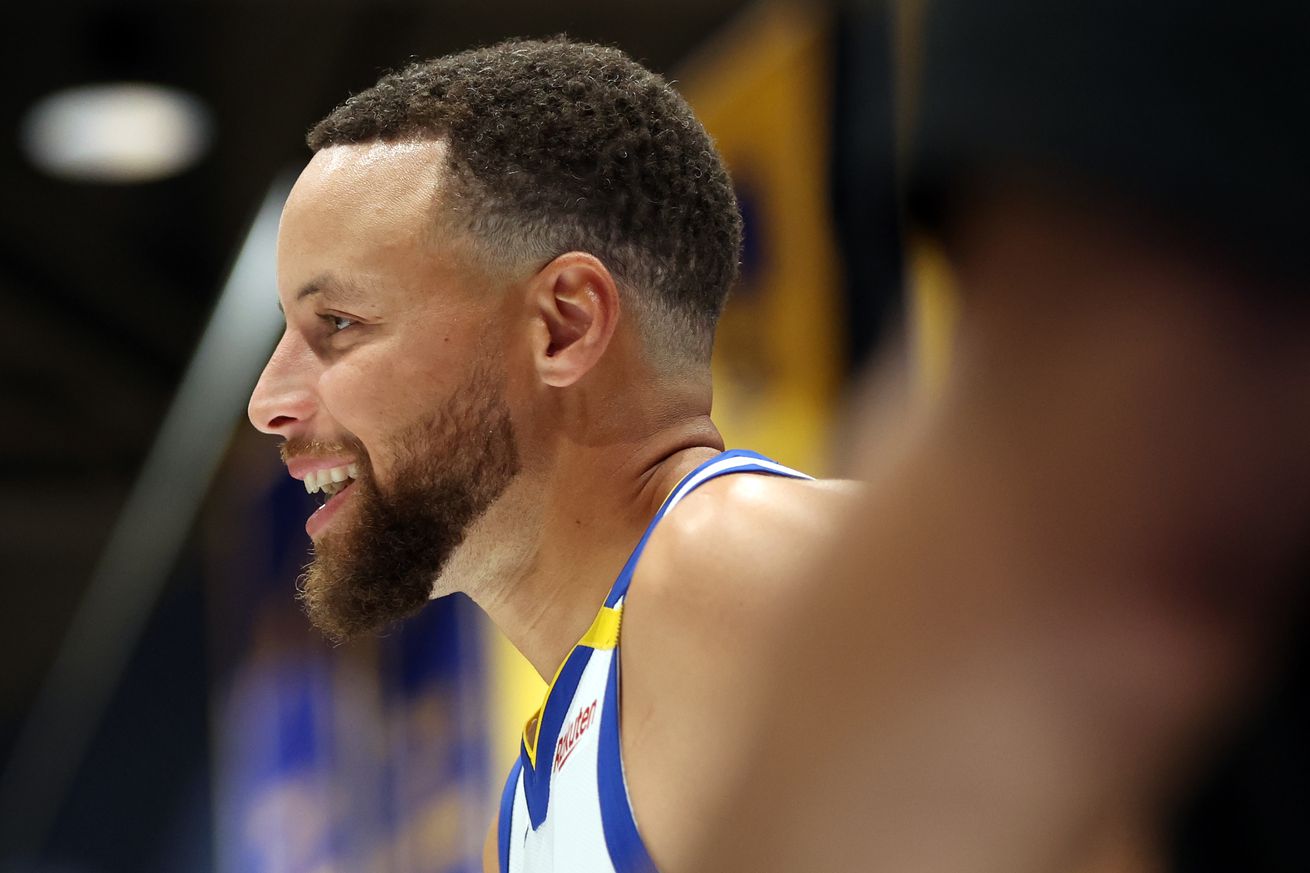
(322, 284)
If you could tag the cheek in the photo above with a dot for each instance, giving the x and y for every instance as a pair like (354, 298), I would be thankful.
(363, 397)
(376, 390)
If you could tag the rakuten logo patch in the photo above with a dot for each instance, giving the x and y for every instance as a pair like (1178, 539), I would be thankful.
(568, 741)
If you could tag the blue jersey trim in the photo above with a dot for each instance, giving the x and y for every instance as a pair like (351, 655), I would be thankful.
(623, 841)
(507, 814)
(536, 780)
(626, 848)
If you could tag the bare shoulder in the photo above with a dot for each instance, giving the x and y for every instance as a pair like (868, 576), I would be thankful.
(740, 530)
(704, 607)
(722, 562)
(491, 848)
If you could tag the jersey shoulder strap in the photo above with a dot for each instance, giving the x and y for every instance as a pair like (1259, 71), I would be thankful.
(733, 461)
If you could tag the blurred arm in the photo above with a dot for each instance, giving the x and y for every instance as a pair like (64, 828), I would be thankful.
(1064, 574)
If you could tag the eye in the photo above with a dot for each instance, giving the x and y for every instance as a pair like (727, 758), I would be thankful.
(338, 322)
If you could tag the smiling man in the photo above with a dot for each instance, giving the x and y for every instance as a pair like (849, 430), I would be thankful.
(501, 273)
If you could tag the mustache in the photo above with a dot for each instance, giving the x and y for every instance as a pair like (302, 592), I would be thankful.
(303, 447)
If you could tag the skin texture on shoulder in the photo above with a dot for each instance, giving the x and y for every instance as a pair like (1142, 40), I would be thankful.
(703, 609)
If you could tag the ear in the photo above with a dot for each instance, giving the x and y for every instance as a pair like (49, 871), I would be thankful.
(575, 310)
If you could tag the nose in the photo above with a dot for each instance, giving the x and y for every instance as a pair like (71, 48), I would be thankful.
(283, 401)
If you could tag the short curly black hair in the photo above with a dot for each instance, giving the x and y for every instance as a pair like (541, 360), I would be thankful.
(557, 146)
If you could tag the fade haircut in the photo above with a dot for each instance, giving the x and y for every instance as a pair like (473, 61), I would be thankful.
(555, 146)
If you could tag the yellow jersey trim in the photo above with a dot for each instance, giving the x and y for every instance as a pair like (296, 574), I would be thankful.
(603, 634)
(604, 630)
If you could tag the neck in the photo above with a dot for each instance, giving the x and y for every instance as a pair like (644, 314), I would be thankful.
(541, 562)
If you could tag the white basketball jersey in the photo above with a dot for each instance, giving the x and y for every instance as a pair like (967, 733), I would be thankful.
(565, 808)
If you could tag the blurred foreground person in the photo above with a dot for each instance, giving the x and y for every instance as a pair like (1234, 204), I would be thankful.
(501, 273)
(1078, 560)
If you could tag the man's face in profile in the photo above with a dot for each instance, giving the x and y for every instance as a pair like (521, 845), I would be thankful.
(387, 386)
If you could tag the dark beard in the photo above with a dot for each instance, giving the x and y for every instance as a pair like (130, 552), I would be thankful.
(380, 567)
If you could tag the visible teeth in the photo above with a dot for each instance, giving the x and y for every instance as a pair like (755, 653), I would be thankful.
(330, 481)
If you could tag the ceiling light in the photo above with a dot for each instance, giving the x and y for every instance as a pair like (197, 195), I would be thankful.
(126, 132)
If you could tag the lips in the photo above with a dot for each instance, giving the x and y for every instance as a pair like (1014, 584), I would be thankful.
(332, 477)
(322, 517)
